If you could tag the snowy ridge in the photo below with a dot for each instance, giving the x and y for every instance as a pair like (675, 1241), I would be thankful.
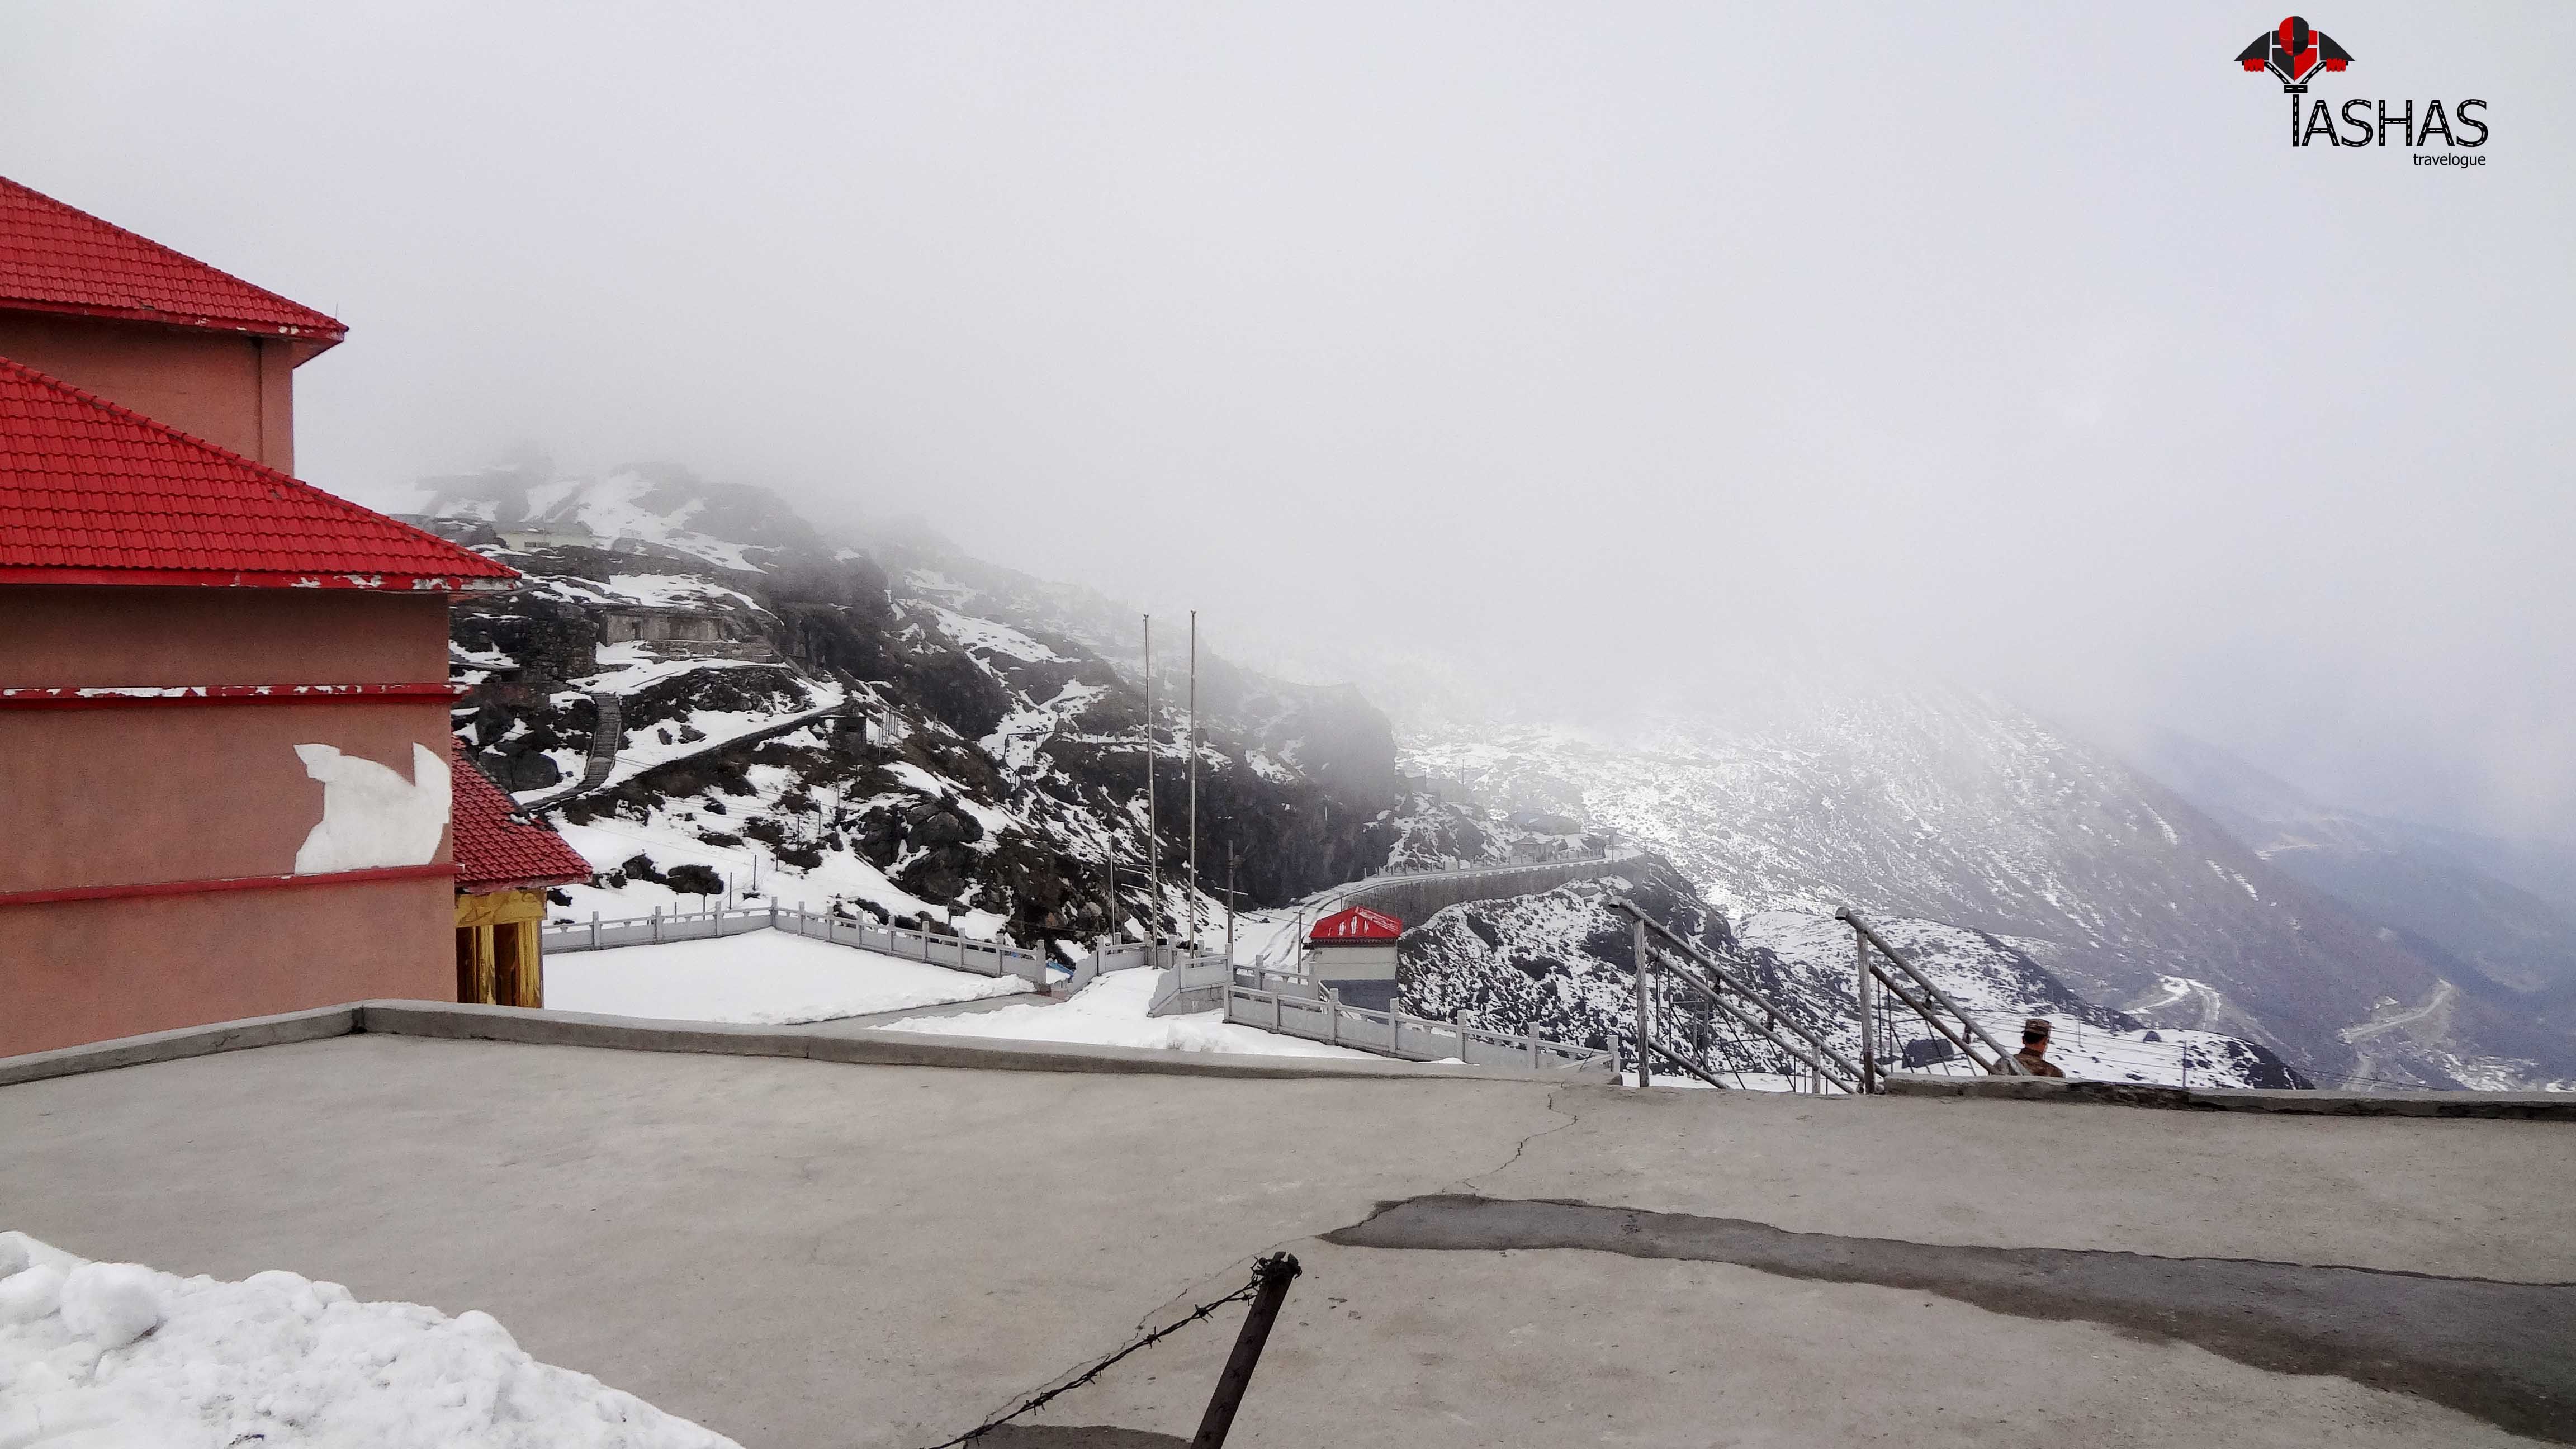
(1930, 803)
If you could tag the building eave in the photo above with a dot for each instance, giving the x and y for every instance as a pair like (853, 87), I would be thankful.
(377, 583)
(315, 340)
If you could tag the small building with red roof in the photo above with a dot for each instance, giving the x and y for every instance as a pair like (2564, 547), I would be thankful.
(505, 861)
(224, 746)
(1353, 952)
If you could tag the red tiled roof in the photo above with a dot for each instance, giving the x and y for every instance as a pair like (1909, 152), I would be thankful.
(496, 848)
(1359, 923)
(93, 493)
(56, 258)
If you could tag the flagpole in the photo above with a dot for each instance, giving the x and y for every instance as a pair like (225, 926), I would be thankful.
(1194, 780)
(1153, 823)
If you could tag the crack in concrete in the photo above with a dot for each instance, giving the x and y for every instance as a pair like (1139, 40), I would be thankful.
(1526, 1139)
(2495, 1350)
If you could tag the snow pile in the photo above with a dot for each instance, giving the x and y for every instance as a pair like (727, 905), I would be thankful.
(1111, 1012)
(118, 1356)
(762, 977)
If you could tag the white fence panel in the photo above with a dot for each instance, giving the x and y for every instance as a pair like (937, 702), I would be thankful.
(985, 958)
(1394, 1034)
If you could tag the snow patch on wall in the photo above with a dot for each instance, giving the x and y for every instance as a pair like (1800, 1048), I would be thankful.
(371, 816)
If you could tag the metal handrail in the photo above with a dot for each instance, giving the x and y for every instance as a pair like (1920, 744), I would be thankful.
(2011, 1067)
(1841, 1073)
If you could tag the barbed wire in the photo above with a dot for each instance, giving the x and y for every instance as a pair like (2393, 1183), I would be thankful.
(1195, 1315)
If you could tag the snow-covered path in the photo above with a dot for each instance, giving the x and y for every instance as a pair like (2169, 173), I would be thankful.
(758, 978)
(1111, 1012)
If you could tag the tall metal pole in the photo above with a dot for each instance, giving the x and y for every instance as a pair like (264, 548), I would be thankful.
(1153, 822)
(1275, 1274)
(1645, 1015)
(1233, 857)
(1194, 780)
(1109, 887)
(1868, 1025)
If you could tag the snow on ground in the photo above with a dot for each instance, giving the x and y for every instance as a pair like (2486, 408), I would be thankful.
(118, 1356)
(662, 591)
(637, 664)
(611, 508)
(1111, 1012)
(671, 837)
(993, 638)
(762, 977)
(1267, 939)
(659, 745)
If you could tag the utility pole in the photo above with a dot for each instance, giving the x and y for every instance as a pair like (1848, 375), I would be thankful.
(1233, 857)
(1194, 781)
(1153, 824)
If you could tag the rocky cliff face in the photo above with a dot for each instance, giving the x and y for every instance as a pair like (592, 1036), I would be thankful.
(808, 721)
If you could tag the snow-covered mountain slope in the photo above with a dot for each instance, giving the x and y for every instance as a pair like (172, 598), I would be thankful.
(1938, 804)
(652, 509)
(795, 720)
(2427, 884)
(1567, 961)
(894, 724)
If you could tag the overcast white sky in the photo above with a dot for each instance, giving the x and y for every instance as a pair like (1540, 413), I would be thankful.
(2017, 342)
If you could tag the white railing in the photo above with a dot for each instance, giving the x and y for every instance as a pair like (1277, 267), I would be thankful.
(1124, 956)
(1191, 983)
(1393, 1034)
(984, 958)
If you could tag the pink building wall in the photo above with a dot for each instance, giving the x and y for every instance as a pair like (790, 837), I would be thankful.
(234, 390)
(154, 812)
(106, 969)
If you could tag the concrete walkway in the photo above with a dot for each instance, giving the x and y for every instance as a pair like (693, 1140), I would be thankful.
(843, 1025)
(814, 1253)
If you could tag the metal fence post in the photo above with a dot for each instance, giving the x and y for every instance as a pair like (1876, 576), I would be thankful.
(657, 925)
(594, 930)
(1645, 1020)
(1274, 1275)
(1868, 1027)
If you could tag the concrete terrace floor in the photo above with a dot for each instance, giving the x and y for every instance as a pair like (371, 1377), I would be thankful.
(809, 1253)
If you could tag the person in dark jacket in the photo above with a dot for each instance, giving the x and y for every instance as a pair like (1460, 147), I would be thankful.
(2033, 1056)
